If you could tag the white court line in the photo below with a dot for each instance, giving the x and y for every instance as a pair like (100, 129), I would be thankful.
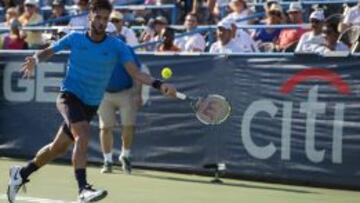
(35, 199)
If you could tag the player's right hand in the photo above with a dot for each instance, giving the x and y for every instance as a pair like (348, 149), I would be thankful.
(28, 66)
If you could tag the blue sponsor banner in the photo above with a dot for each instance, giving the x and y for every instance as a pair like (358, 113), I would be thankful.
(294, 118)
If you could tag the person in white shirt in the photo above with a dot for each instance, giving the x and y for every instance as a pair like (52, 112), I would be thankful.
(82, 20)
(130, 37)
(351, 17)
(242, 38)
(331, 41)
(225, 43)
(240, 11)
(191, 43)
(310, 40)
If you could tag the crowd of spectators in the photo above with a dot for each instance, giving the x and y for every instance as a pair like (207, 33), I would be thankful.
(314, 28)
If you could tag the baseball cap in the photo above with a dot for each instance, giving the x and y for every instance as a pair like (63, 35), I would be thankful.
(275, 7)
(57, 3)
(161, 19)
(318, 15)
(116, 15)
(225, 24)
(295, 7)
(31, 2)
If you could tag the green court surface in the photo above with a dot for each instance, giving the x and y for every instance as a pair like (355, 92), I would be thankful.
(55, 184)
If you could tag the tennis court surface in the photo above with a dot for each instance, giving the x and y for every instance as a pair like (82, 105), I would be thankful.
(55, 184)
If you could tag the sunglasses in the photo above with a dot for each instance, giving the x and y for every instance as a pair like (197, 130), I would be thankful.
(315, 21)
(29, 5)
(275, 13)
(115, 20)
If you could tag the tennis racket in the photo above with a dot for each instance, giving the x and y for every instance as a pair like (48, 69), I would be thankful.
(212, 109)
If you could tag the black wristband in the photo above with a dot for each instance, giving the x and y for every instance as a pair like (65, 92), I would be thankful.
(157, 84)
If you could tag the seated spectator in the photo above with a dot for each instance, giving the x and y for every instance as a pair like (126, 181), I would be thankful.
(14, 40)
(351, 17)
(11, 14)
(167, 35)
(153, 33)
(117, 19)
(29, 17)
(225, 42)
(290, 36)
(313, 38)
(331, 40)
(239, 10)
(191, 43)
(82, 20)
(274, 16)
(242, 38)
(58, 11)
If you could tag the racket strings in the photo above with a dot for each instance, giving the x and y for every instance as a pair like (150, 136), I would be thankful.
(213, 110)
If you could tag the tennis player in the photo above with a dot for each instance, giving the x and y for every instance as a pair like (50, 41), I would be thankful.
(93, 55)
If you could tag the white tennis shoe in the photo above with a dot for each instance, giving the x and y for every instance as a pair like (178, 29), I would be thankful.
(15, 183)
(88, 194)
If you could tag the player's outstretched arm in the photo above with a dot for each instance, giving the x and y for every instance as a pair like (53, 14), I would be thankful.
(144, 78)
(31, 61)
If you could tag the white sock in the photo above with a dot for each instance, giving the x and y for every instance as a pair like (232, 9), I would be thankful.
(108, 157)
(125, 152)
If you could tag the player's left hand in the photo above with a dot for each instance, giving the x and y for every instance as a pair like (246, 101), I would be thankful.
(168, 90)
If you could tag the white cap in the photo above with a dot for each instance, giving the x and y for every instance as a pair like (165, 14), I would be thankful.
(31, 2)
(318, 15)
(116, 15)
(295, 6)
(275, 7)
(110, 28)
(272, 1)
(225, 24)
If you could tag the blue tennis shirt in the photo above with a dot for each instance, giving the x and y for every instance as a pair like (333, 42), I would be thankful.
(120, 79)
(91, 64)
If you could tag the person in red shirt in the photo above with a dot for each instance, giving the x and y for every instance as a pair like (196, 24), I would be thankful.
(289, 37)
(14, 40)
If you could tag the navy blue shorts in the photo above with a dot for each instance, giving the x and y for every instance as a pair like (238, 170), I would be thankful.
(73, 110)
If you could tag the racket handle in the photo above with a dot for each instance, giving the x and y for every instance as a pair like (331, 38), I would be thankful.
(181, 96)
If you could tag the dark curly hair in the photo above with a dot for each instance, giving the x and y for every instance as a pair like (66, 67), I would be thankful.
(100, 4)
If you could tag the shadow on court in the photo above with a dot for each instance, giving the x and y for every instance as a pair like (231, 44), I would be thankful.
(298, 191)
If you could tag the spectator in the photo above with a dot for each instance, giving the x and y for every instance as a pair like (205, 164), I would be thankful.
(167, 35)
(82, 10)
(274, 16)
(14, 40)
(29, 17)
(331, 40)
(58, 11)
(289, 37)
(130, 37)
(225, 42)
(153, 34)
(11, 13)
(239, 10)
(191, 43)
(313, 38)
(351, 17)
(242, 38)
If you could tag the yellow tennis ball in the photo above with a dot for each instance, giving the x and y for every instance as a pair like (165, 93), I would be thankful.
(166, 73)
